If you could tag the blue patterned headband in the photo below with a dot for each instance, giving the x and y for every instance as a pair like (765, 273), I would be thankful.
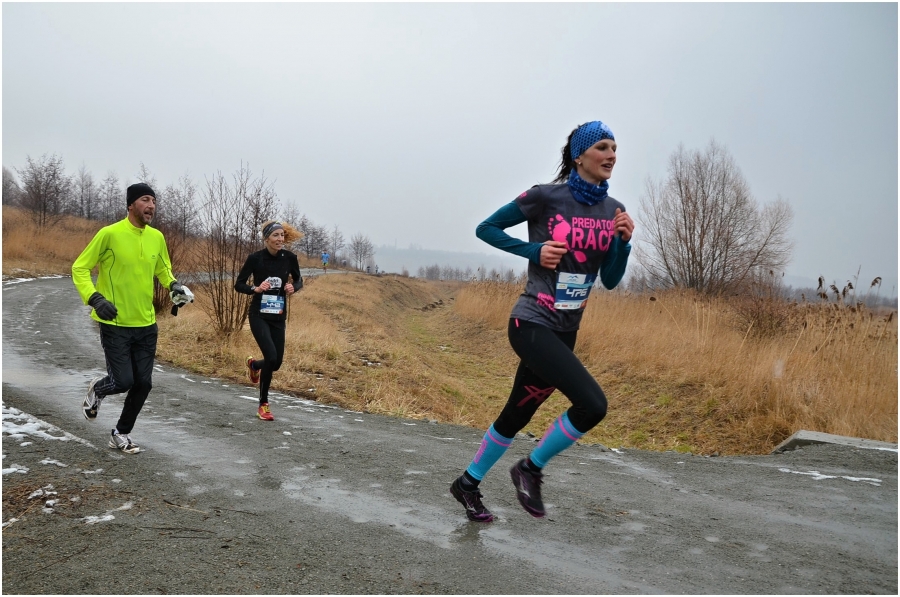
(588, 134)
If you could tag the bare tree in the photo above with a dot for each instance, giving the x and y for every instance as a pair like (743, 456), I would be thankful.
(45, 188)
(144, 175)
(702, 228)
(361, 249)
(304, 225)
(181, 209)
(12, 192)
(318, 241)
(315, 238)
(230, 219)
(259, 198)
(292, 215)
(179, 221)
(85, 192)
(335, 242)
(111, 199)
(430, 272)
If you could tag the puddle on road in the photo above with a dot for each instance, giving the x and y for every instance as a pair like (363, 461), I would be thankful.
(432, 525)
(65, 390)
(409, 519)
(640, 470)
(23, 373)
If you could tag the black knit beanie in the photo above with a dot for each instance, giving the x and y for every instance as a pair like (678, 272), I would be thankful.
(137, 190)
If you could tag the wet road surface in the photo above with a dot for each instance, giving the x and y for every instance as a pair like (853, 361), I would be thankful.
(330, 500)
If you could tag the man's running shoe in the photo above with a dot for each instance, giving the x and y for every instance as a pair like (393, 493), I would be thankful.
(254, 373)
(528, 489)
(121, 441)
(91, 403)
(264, 413)
(471, 500)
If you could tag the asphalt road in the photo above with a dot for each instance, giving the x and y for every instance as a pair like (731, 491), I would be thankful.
(325, 500)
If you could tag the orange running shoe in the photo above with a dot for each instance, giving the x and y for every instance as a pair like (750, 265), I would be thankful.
(264, 413)
(254, 373)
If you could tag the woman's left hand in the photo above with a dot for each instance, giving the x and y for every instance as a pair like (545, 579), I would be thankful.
(289, 289)
(624, 225)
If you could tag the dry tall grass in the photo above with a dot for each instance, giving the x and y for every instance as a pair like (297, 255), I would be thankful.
(352, 339)
(28, 250)
(680, 375)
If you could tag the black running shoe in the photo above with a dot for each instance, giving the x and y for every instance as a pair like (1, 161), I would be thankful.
(91, 403)
(528, 489)
(475, 510)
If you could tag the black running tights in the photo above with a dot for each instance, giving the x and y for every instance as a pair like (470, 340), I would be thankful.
(548, 363)
(270, 337)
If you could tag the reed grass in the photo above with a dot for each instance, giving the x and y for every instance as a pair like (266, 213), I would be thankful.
(680, 374)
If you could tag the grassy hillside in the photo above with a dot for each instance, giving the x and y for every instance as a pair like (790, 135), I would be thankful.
(678, 373)
(681, 372)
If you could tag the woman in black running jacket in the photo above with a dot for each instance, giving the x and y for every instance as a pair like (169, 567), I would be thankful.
(270, 268)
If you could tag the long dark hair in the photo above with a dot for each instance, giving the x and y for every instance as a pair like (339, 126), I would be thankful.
(566, 163)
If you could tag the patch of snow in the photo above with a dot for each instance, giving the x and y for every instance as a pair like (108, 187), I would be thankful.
(817, 476)
(18, 425)
(108, 515)
(16, 468)
(56, 462)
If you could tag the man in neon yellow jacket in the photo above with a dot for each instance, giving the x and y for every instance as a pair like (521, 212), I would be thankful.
(128, 255)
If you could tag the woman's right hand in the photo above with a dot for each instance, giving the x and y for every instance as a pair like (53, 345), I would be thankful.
(264, 286)
(551, 253)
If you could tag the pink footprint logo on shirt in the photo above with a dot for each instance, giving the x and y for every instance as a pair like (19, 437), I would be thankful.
(559, 231)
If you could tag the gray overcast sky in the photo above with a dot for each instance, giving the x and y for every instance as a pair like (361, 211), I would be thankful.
(411, 123)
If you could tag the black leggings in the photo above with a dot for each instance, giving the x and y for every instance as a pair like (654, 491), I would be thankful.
(548, 363)
(270, 337)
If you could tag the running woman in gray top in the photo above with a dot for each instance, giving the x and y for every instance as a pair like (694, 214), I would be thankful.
(575, 232)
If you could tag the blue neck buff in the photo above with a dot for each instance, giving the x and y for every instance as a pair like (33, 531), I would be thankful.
(583, 139)
(585, 192)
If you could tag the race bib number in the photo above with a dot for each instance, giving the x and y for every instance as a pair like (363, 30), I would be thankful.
(272, 304)
(572, 290)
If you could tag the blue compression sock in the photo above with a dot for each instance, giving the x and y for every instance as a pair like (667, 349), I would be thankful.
(493, 446)
(559, 436)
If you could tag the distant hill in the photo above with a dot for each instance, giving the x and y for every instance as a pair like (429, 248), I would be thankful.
(393, 259)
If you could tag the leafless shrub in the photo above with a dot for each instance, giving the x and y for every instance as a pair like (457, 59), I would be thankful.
(230, 220)
(761, 310)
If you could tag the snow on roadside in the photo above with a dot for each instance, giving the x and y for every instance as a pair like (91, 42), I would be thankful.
(816, 475)
(18, 425)
(9, 281)
(108, 515)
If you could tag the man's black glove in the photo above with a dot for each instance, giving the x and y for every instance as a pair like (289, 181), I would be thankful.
(105, 309)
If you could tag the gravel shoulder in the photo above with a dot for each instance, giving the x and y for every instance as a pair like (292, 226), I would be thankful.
(325, 500)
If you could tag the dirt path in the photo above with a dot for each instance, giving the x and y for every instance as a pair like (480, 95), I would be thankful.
(326, 500)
